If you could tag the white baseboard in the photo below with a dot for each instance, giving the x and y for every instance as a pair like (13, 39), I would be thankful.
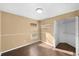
(47, 43)
(64, 51)
(78, 54)
(0, 53)
(31, 42)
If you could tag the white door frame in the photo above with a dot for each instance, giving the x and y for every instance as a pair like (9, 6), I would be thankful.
(54, 32)
(76, 34)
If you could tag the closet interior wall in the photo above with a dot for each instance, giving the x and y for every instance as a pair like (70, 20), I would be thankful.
(66, 31)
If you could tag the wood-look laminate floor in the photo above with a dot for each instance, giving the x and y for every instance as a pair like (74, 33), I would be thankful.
(36, 49)
(66, 46)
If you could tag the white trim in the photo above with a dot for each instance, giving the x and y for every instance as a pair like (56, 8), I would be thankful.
(21, 46)
(13, 34)
(47, 43)
(46, 26)
(0, 53)
(54, 33)
(76, 34)
(64, 51)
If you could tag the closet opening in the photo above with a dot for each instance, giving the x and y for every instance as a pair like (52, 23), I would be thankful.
(64, 33)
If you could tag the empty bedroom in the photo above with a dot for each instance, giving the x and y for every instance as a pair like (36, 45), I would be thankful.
(39, 29)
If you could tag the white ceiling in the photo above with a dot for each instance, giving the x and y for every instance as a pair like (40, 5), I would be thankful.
(49, 9)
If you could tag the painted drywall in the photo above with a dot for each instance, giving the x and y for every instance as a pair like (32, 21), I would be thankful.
(66, 31)
(17, 31)
(47, 34)
(0, 31)
(49, 9)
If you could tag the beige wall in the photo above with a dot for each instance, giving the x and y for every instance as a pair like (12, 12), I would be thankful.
(0, 31)
(16, 31)
(47, 34)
